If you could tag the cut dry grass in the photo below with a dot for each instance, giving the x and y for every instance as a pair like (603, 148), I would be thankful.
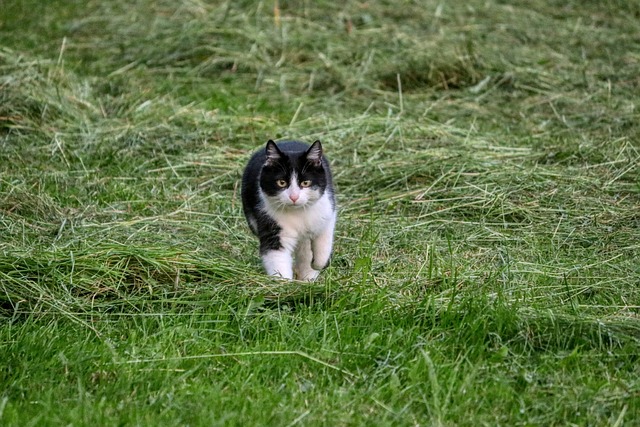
(486, 263)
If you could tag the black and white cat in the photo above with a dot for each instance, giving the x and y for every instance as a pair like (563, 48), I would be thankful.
(289, 202)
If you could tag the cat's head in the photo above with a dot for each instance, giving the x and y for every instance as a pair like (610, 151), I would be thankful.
(293, 176)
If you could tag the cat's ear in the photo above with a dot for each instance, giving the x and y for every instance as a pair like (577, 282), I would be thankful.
(273, 152)
(314, 154)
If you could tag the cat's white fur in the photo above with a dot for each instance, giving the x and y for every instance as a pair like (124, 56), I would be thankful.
(306, 234)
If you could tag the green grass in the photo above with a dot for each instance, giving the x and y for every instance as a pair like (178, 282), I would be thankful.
(487, 261)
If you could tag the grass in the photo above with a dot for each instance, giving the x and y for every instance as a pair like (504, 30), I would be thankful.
(486, 268)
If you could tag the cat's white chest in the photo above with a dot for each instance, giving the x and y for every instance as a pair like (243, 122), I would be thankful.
(305, 222)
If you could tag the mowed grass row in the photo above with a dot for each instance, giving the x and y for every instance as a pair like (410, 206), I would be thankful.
(486, 264)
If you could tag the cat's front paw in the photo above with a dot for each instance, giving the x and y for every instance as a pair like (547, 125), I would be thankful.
(308, 275)
(321, 249)
(277, 263)
(320, 263)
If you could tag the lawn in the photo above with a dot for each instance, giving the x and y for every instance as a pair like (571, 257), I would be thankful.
(486, 269)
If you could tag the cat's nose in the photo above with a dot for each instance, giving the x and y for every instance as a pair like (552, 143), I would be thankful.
(294, 197)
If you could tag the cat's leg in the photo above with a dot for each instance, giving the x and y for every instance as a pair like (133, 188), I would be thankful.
(302, 266)
(275, 248)
(278, 263)
(322, 245)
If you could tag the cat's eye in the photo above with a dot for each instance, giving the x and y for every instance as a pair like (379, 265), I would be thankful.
(281, 183)
(305, 184)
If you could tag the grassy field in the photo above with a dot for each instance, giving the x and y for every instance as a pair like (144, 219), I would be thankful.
(487, 263)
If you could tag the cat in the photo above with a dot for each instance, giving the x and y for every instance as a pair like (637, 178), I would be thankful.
(289, 202)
